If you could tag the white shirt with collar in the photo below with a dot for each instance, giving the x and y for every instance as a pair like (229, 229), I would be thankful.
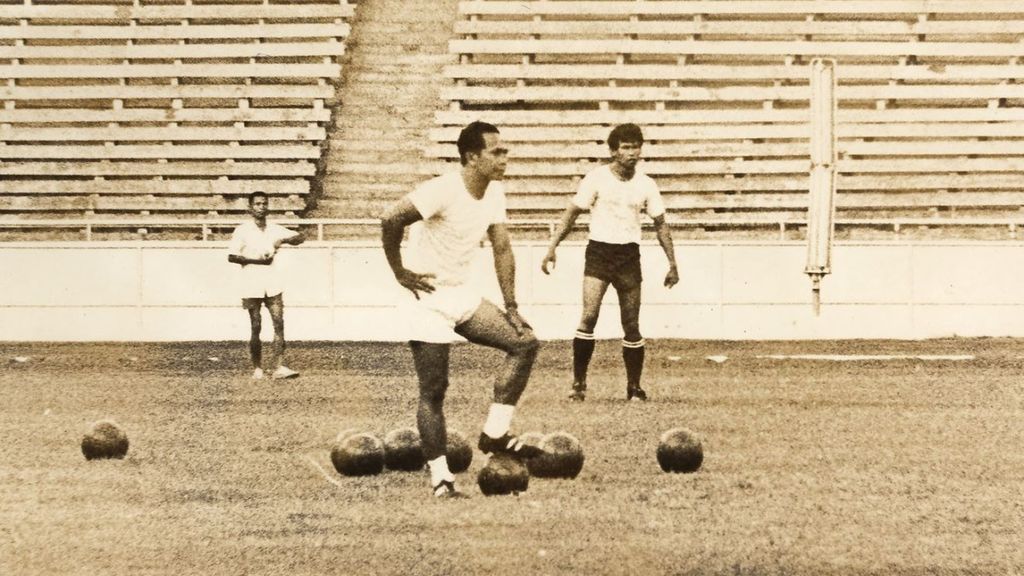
(454, 224)
(248, 240)
(616, 206)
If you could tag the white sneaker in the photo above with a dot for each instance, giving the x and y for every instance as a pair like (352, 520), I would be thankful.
(283, 372)
(446, 489)
(257, 374)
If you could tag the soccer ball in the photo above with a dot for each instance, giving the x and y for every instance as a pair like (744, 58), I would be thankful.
(562, 458)
(357, 454)
(679, 450)
(402, 450)
(459, 452)
(105, 439)
(503, 474)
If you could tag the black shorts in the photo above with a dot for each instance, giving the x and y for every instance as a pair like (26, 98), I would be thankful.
(617, 264)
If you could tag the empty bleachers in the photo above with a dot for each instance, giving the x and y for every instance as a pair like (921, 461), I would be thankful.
(166, 107)
(929, 122)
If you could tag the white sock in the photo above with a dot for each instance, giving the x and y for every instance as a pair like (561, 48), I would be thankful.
(499, 420)
(439, 470)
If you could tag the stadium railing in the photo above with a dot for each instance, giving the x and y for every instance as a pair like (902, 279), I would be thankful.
(333, 229)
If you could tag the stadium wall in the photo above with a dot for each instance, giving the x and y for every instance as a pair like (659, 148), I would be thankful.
(147, 291)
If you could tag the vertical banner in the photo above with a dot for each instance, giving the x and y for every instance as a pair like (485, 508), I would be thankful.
(821, 204)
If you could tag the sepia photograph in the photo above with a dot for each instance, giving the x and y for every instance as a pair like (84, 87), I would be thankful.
(496, 287)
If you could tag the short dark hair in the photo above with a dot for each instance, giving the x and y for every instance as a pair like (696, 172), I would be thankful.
(471, 139)
(625, 133)
(256, 194)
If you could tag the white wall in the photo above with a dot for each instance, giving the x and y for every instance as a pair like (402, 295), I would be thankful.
(184, 291)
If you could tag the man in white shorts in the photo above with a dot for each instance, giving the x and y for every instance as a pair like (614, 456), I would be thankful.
(253, 246)
(617, 195)
(452, 213)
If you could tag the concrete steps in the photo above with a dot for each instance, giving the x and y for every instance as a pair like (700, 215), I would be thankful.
(392, 77)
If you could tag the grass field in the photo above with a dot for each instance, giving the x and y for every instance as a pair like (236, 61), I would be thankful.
(900, 467)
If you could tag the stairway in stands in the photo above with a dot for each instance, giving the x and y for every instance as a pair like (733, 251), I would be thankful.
(391, 80)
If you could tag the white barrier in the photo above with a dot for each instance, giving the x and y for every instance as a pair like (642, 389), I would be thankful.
(149, 291)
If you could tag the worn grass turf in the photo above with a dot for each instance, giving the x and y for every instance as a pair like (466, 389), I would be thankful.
(905, 467)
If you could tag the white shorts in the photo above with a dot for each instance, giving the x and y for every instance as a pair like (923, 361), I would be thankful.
(435, 315)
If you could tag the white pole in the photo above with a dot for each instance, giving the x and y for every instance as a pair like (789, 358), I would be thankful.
(821, 204)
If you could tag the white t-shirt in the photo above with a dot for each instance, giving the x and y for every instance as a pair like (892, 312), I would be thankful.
(454, 223)
(615, 206)
(257, 280)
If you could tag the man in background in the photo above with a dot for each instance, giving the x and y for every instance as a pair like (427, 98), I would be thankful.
(254, 245)
(617, 195)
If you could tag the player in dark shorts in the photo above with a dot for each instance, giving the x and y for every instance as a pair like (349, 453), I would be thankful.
(617, 195)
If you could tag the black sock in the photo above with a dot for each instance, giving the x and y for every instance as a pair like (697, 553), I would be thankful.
(633, 356)
(582, 351)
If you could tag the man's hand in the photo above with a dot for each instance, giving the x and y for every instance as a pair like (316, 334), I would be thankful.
(265, 259)
(549, 258)
(518, 322)
(672, 278)
(415, 282)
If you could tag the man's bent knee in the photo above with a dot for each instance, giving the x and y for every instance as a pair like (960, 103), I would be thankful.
(526, 345)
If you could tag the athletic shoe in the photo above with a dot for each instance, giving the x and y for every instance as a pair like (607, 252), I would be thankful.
(507, 444)
(283, 372)
(636, 394)
(257, 374)
(446, 489)
(579, 394)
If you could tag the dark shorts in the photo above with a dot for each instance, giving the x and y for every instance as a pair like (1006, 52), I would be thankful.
(617, 264)
(250, 303)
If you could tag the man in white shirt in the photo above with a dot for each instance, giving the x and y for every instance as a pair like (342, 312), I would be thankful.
(617, 195)
(449, 216)
(253, 246)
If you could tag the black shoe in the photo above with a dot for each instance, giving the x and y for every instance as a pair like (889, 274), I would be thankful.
(507, 444)
(579, 394)
(636, 393)
(446, 489)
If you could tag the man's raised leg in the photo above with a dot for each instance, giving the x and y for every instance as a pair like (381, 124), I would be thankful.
(489, 327)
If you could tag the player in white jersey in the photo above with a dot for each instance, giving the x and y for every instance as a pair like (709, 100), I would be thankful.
(253, 246)
(617, 195)
(449, 216)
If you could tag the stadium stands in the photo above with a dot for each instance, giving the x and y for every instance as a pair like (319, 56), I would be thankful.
(156, 109)
(930, 105)
(172, 107)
